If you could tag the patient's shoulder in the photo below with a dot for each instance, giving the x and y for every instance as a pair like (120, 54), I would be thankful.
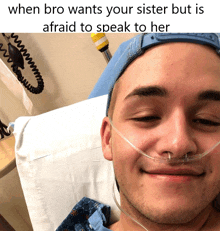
(88, 215)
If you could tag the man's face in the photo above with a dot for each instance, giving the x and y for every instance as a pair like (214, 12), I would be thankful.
(168, 101)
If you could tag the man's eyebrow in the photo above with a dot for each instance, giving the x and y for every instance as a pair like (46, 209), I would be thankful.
(211, 95)
(148, 91)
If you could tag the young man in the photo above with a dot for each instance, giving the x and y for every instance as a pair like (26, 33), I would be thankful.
(167, 104)
(162, 132)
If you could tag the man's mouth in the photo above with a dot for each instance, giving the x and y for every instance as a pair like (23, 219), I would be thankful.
(175, 175)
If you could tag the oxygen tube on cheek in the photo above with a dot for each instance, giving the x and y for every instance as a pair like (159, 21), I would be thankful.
(173, 160)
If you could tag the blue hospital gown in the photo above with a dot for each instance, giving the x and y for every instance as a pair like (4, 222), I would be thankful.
(87, 215)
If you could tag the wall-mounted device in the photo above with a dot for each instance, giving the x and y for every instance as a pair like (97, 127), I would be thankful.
(16, 56)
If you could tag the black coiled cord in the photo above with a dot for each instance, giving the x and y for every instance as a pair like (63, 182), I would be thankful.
(3, 130)
(5, 53)
(15, 56)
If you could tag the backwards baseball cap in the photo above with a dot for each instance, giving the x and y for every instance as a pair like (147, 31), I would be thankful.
(133, 48)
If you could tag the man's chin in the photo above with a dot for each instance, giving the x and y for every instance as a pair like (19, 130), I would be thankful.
(170, 210)
(172, 217)
(171, 214)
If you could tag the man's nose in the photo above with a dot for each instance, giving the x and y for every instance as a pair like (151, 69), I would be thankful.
(177, 137)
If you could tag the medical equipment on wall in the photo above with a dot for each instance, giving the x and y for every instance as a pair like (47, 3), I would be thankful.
(102, 45)
(3, 130)
(16, 57)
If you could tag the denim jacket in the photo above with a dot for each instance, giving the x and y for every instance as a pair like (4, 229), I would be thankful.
(87, 215)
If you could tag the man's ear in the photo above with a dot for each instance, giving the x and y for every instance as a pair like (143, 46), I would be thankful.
(106, 139)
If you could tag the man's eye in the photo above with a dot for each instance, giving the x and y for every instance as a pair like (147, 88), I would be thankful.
(147, 118)
(206, 122)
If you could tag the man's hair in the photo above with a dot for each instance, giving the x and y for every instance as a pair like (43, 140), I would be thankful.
(114, 94)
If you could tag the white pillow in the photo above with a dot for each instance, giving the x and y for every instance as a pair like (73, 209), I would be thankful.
(59, 160)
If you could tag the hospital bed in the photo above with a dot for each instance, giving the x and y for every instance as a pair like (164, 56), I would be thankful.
(59, 160)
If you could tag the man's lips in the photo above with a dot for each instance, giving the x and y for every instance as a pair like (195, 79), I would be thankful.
(171, 175)
(178, 172)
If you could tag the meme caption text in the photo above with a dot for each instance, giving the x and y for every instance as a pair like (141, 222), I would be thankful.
(119, 13)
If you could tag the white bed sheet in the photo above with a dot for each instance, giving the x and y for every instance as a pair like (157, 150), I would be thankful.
(59, 160)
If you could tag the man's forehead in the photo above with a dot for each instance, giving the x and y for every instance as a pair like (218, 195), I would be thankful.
(146, 68)
(166, 54)
(169, 52)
